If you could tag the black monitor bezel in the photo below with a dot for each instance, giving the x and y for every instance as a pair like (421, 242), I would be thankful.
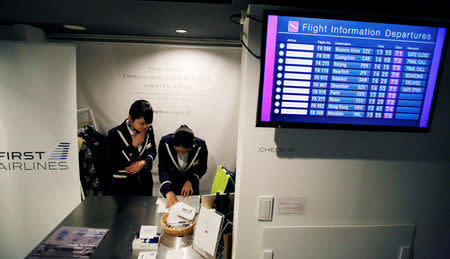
(349, 17)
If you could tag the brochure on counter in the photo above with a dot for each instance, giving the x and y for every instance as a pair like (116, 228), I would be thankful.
(207, 232)
(71, 242)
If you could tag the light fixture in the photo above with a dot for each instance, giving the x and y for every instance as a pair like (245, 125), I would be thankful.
(181, 31)
(74, 27)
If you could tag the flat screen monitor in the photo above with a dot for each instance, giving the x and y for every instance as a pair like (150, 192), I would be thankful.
(348, 73)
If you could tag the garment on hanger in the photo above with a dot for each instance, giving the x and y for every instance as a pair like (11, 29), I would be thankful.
(92, 160)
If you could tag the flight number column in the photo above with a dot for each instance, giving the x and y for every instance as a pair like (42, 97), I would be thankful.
(320, 84)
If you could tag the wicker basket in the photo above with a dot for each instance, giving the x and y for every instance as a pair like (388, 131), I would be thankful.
(182, 231)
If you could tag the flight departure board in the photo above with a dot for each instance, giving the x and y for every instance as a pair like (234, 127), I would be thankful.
(343, 72)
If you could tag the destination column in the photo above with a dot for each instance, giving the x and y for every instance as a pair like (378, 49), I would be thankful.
(349, 82)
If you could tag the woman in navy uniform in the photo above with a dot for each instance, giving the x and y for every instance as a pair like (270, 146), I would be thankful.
(131, 150)
(182, 163)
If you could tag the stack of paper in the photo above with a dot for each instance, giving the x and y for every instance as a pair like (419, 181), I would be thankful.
(161, 203)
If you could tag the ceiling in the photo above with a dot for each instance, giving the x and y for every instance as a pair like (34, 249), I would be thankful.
(114, 17)
(202, 19)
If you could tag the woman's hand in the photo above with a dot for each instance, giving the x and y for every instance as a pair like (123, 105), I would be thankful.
(187, 189)
(135, 167)
(138, 138)
(171, 199)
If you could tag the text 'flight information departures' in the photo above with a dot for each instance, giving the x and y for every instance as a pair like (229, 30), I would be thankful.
(324, 71)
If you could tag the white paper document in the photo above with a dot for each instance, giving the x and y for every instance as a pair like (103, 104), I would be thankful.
(148, 231)
(193, 201)
(162, 209)
(161, 201)
(173, 217)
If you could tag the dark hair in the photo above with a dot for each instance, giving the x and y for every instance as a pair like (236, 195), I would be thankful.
(141, 108)
(184, 137)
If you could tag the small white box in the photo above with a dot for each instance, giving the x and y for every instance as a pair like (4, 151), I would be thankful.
(145, 244)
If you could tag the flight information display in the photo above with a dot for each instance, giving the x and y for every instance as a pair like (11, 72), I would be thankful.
(324, 71)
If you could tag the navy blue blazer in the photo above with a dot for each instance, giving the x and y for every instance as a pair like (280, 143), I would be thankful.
(170, 174)
(121, 152)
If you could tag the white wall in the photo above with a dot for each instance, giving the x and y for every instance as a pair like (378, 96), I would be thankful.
(37, 112)
(345, 177)
(193, 85)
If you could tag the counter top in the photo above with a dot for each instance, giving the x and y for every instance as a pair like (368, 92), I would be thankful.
(123, 216)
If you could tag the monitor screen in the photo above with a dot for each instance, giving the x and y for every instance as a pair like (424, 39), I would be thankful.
(321, 72)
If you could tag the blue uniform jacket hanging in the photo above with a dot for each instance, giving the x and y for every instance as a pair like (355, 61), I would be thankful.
(171, 176)
(122, 153)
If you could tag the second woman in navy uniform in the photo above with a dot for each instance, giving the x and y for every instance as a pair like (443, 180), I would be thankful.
(182, 163)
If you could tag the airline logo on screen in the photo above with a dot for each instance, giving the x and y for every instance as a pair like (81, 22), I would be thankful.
(293, 26)
(42, 161)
